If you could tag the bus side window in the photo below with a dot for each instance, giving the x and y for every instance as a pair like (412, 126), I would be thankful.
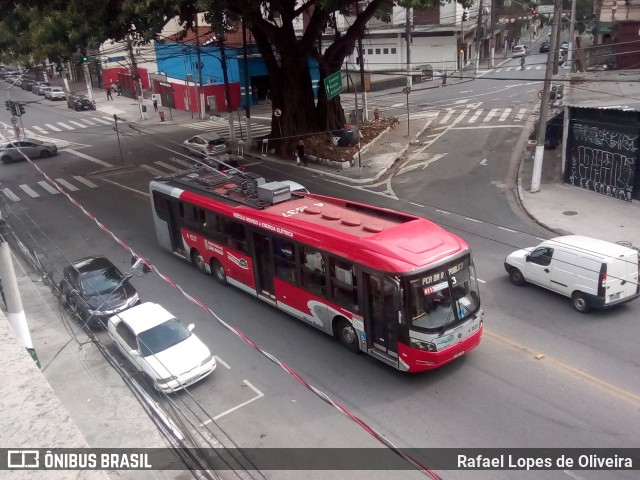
(313, 271)
(236, 238)
(283, 253)
(212, 226)
(344, 284)
(161, 203)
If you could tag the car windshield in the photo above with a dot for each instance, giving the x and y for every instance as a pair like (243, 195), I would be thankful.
(101, 282)
(445, 296)
(161, 337)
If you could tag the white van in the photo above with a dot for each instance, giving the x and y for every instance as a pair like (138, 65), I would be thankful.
(592, 272)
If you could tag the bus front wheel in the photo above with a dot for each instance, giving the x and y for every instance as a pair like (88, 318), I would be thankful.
(218, 272)
(348, 335)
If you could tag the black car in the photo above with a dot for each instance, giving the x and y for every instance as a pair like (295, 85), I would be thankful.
(80, 102)
(27, 83)
(544, 47)
(553, 133)
(95, 289)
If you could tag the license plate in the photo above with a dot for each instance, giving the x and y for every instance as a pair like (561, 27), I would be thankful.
(614, 296)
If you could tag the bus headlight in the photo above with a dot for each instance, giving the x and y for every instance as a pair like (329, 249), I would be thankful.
(422, 345)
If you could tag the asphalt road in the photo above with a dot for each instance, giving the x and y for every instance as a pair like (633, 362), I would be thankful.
(584, 393)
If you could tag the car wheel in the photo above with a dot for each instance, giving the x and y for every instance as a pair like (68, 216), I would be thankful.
(580, 302)
(218, 272)
(516, 277)
(347, 335)
(45, 154)
(77, 109)
(6, 159)
(198, 261)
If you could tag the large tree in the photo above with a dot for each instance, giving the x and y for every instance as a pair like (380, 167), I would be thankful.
(51, 28)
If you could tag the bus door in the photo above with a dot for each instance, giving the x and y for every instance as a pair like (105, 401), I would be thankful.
(169, 209)
(382, 306)
(263, 265)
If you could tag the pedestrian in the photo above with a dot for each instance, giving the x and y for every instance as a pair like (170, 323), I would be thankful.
(155, 104)
(108, 89)
(300, 156)
(118, 88)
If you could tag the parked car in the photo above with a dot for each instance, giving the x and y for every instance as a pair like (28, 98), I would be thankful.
(206, 144)
(13, 151)
(564, 45)
(96, 289)
(592, 272)
(160, 346)
(80, 102)
(27, 83)
(544, 47)
(55, 93)
(519, 51)
(553, 133)
(44, 89)
(38, 85)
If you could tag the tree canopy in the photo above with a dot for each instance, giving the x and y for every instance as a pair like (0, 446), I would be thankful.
(36, 30)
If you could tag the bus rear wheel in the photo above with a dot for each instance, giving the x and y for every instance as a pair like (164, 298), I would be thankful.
(198, 261)
(218, 272)
(347, 335)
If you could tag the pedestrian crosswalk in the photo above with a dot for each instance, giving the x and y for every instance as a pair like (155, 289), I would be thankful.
(67, 125)
(221, 127)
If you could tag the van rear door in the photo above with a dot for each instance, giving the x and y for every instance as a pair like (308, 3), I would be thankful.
(622, 277)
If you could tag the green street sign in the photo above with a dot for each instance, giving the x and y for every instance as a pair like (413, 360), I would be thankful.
(333, 84)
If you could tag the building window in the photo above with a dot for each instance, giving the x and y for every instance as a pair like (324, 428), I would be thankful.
(386, 51)
(393, 51)
(370, 51)
(377, 51)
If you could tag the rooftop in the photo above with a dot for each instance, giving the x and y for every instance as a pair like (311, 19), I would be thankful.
(612, 89)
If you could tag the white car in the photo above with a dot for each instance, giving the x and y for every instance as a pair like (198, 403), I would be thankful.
(161, 347)
(43, 90)
(55, 93)
(205, 144)
(519, 51)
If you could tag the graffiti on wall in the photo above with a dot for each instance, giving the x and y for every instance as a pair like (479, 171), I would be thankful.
(603, 160)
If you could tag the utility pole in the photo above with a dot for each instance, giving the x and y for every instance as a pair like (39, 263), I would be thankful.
(478, 40)
(137, 85)
(365, 107)
(492, 45)
(572, 44)
(407, 37)
(201, 108)
(227, 94)
(247, 88)
(544, 108)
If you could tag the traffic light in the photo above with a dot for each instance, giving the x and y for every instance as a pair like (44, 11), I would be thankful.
(21, 107)
(84, 55)
(8, 104)
(58, 67)
(534, 9)
(14, 109)
(465, 14)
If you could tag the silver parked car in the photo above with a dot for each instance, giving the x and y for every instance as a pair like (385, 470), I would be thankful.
(13, 151)
(55, 93)
(35, 88)
(206, 144)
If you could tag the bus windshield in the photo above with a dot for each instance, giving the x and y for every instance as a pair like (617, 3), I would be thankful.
(444, 297)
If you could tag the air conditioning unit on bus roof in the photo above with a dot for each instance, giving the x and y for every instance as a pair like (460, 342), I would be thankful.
(274, 192)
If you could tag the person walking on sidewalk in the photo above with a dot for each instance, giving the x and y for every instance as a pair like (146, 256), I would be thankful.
(108, 89)
(155, 104)
(118, 88)
(300, 156)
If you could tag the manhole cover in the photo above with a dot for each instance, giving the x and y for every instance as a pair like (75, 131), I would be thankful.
(569, 212)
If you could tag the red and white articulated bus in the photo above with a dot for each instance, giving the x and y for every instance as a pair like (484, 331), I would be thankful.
(386, 283)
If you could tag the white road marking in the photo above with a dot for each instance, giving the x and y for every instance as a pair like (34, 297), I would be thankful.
(86, 120)
(10, 195)
(88, 183)
(460, 117)
(473, 220)
(224, 364)
(397, 105)
(507, 229)
(64, 125)
(498, 70)
(443, 211)
(483, 162)
(44, 184)
(521, 113)
(81, 125)
(110, 119)
(504, 115)
(30, 133)
(573, 475)
(106, 122)
(458, 102)
(475, 116)
(416, 204)
(181, 162)
(67, 185)
(155, 171)
(446, 118)
(51, 127)
(166, 165)
(90, 158)
(481, 281)
(40, 129)
(29, 191)
(490, 115)
(119, 185)
(259, 394)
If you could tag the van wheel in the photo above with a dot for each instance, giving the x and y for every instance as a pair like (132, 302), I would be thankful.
(348, 335)
(580, 302)
(198, 261)
(516, 277)
(218, 272)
